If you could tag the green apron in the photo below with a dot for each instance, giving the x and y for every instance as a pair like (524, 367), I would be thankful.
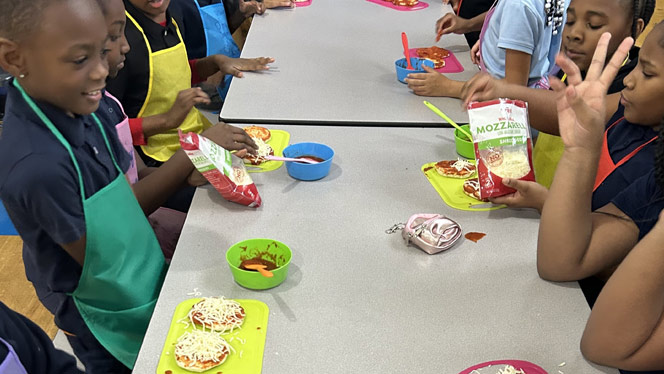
(123, 268)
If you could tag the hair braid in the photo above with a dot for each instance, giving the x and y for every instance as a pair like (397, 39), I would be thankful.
(659, 157)
(644, 10)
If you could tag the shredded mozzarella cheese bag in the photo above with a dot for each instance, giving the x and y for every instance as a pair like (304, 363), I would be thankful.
(503, 145)
(223, 170)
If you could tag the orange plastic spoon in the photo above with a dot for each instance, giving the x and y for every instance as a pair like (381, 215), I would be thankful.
(261, 269)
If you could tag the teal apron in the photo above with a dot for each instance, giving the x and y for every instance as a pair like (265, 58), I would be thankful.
(123, 268)
(218, 38)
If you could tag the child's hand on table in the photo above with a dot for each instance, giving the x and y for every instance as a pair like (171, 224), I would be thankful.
(431, 83)
(185, 100)
(231, 138)
(235, 66)
(527, 195)
(249, 8)
(582, 104)
(269, 4)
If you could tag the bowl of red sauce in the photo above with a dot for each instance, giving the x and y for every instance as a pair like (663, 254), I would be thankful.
(315, 151)
(275, 255)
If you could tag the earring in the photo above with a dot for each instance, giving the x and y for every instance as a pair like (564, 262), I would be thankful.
(21, 76)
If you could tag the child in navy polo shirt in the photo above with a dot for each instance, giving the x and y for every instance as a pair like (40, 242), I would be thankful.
(25, 346)
(88, 247)
(626, 327)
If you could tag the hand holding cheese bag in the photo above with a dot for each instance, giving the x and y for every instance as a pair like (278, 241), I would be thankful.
(503, 146)
(225, 171)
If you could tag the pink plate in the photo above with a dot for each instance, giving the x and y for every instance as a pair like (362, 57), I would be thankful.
(421, 5)
(303, 3)
(526, 366)
(452, 65)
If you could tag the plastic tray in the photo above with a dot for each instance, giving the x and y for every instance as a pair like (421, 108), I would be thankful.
(303, 3)
(451, 191)
(483, 368)
(253, 331)
(421, 5)
(278, 141)
(452, 65)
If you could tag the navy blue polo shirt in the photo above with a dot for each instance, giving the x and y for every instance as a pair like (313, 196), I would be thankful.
(194, 39)
(39, 187)
(642, 202)
(622, 139)
(33, 347)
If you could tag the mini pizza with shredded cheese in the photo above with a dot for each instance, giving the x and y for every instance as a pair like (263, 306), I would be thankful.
(200, 350)
(258, 132)
(263, 151)
(435, 54)
(217, 313)
(459, 168)
(471, 187)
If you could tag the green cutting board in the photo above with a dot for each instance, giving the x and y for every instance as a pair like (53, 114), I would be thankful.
(252, 334)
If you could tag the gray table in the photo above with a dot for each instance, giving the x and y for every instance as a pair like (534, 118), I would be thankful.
(335, 63)
(358, 300)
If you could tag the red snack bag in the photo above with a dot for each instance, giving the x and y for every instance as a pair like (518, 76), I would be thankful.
(503, 146)
(222, 169)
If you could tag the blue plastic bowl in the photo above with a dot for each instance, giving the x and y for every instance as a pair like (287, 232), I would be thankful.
(309, 172)
(402, 67)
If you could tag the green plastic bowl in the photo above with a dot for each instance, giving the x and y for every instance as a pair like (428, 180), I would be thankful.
(267, 249)
(464, 147)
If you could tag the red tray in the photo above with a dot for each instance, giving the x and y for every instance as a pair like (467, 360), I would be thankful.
(526, 366)
(452, 65)
(421, 5)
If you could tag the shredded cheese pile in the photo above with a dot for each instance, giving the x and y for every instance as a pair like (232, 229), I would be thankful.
(202, 346)
(474, 183)
(263, 149)
(515, 165)
(509, 369)
(462, 164)
(217, 310)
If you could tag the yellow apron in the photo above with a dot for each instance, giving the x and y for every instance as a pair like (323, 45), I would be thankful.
(546, 155)
(169, 74)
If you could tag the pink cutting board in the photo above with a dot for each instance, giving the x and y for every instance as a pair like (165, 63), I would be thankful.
(452, 65)
(421, 5)
(303, 3)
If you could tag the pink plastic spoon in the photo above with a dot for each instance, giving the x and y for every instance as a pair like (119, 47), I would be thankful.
(288, 159)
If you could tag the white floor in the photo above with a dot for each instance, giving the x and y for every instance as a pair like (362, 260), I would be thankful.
(62, 343)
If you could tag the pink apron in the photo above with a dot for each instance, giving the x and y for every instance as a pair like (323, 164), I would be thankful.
(124, 134)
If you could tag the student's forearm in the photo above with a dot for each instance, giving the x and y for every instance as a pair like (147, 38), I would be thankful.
(159, 184)
(156, 124)
(542, 109)
(236, 18)
(453, 88)
(476, 23)
(209, 65)
(566, 225)
(626, 326)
